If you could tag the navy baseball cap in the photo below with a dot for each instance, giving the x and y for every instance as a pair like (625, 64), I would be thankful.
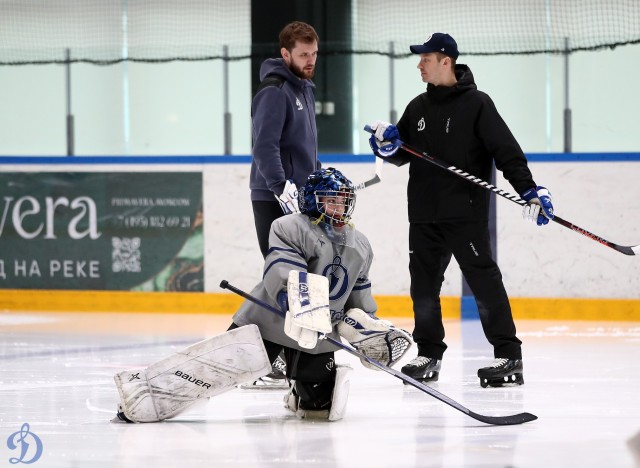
(437, 42)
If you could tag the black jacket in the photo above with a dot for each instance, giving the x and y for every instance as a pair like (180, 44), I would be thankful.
(461, 126)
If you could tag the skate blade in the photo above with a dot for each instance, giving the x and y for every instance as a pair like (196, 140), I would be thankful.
(433, 377)
(513, 380)
(261, 385)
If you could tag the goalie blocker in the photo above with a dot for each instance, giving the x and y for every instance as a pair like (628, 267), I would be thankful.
(308, 314)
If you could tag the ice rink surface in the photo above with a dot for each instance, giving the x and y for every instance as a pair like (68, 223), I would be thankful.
(582, 379)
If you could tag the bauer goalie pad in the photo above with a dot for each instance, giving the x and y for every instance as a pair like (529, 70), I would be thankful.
(376, 339)
(202, 370)
(308, 314)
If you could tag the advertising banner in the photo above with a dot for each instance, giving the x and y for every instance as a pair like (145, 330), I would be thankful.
(101, 231)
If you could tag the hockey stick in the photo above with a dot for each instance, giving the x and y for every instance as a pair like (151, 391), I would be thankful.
(627, 250)
(374, 180)
(495, 420)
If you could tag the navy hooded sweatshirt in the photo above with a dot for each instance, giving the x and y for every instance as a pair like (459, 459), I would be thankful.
(285, 142)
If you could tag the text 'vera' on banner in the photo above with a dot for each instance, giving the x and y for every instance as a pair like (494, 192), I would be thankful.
(101, 231)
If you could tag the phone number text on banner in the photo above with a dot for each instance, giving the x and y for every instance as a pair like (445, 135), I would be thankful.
(101, 231)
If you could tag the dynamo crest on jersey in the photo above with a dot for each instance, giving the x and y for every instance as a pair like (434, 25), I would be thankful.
(338, 278)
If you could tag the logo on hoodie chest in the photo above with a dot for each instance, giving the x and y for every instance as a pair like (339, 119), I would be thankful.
(422, 124)
(298, 104)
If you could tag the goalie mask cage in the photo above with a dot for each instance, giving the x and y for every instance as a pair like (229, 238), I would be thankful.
(106, 32)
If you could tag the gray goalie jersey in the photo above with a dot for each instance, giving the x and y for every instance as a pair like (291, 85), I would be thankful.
(298, 244)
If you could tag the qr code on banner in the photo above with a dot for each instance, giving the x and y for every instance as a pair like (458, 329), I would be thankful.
(126, 254)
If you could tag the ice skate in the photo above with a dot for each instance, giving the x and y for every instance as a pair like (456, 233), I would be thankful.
(275, 380)
(422, 369)
(501, 372)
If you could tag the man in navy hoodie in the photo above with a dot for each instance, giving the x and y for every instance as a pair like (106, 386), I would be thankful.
(285, 140)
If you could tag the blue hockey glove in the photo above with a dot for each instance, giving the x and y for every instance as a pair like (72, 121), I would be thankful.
(384, 131)
(384, 149)
(385, 139)
(539, 208)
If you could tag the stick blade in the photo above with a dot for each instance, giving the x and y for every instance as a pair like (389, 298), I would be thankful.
(367, 183)
(372, 181)
(633, 250)
(511, 420)
(379, 163)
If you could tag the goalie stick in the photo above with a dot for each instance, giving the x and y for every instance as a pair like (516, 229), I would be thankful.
(627, 250)
(374, 180)
(519, 418)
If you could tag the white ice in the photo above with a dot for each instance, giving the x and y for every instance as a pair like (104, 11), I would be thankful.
(582, 380)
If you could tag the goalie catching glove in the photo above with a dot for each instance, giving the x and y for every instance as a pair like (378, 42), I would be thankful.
(377, 339)
(308, 314)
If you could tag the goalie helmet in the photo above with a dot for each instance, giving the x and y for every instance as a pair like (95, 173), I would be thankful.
(327, 196)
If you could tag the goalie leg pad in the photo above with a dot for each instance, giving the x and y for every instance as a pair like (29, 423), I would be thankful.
(340, 393)
(202, 370)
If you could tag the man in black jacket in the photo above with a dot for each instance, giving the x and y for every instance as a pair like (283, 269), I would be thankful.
(448, 216)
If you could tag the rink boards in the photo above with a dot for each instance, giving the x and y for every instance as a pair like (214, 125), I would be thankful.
(222, 303)
(549, 273)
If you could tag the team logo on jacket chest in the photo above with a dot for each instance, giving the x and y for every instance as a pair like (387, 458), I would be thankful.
(338, 277)
(421, 124)
(298, 104)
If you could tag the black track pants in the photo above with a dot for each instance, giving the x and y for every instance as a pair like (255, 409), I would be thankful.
(265, 213)
(431, 246)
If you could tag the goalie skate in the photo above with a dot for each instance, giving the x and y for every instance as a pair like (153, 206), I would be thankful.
(501, 373)
(275, 380)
